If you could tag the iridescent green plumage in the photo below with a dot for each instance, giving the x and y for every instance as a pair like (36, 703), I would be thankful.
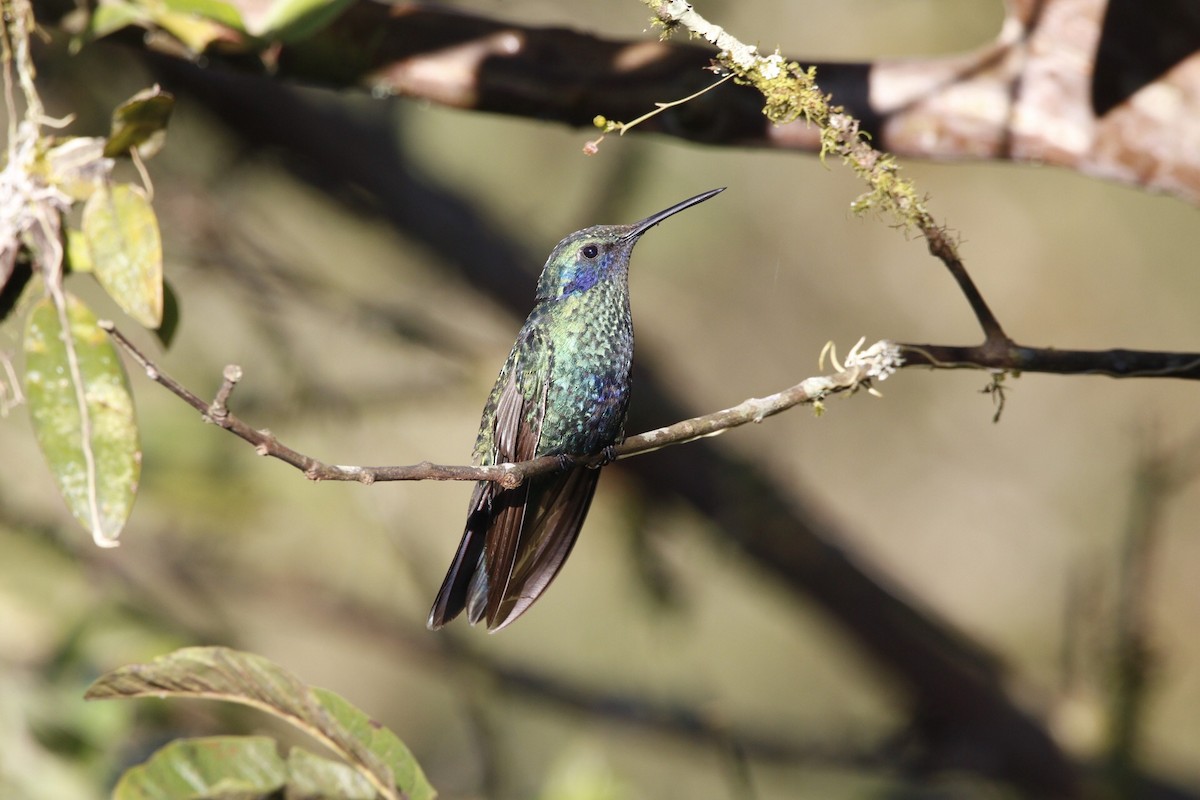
(564, 390)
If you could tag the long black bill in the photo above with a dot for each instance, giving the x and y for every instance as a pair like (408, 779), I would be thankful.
(638, 228)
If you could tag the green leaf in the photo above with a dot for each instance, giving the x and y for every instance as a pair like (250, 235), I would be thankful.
(108, 18)
(79, 256)
(311, 777)
(245, 767)
(381, 742)
(126, 247)
(195, 23)
(218, 673)
(215, 10)
(140, 123)
(292, 21)
(196, 33)
(82, 412)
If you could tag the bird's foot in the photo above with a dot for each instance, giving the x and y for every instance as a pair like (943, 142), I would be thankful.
(607, 456)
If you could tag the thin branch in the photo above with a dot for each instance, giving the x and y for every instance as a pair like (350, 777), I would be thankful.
(942, 248)
(10, 100)
(791, 93)
(861, 368)
(1012, 357)
(609, 125)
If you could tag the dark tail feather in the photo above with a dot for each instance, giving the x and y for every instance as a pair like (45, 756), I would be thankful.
(456, 588)
(527, 533)
(551, 530)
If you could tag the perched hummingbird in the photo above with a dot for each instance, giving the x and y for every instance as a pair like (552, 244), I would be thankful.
(564, 390)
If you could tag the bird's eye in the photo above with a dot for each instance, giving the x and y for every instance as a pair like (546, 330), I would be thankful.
(590, 251)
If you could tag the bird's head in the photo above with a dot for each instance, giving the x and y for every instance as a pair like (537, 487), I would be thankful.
(600, 253)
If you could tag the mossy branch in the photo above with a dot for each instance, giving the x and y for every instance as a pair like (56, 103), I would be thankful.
(790, 93)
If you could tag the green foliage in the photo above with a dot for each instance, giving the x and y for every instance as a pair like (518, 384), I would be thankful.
(125, 250)
(220, 766)
(195, 25)
(75, 385)
(377, 758)
(140, 124)
(295, 20)
(246, 767)
(200, 24)
(82, 412)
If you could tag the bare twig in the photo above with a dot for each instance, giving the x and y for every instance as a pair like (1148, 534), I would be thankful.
(861, 368)
(610, 125)
(944, 250)
(876, 362)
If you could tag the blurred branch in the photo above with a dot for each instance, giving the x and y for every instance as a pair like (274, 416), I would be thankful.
(202, 579)
(1157, 476)
(1104, 87)
(860, 369)
(449, 651)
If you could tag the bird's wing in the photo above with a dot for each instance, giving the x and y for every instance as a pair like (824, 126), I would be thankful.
(526, 551)
(518, 429)
(495, 515)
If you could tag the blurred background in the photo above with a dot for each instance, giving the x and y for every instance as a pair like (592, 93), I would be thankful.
(362, 344)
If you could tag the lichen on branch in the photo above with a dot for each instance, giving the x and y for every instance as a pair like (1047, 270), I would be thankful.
(790, 92)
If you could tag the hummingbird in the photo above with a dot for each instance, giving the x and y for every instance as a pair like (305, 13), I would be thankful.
(564, 391)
